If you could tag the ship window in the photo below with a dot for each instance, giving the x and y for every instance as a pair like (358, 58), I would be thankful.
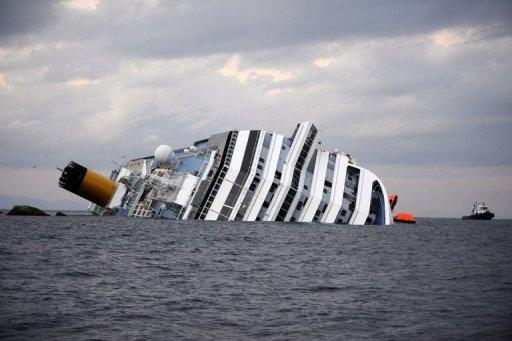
(252, 187)
(262, 159)
(328, 183)
(266, 204)
(299, 206)
(259, 167)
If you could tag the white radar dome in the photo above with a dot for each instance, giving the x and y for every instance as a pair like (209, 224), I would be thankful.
(163, 154)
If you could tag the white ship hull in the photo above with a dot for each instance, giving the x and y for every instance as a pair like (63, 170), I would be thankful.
(240, 175)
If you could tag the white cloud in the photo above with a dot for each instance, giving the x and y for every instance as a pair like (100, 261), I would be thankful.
(278, 91)
(80, 82)
(232, 69)
(84, 5)
(106, 126)
(452, 37)
(4, 86)
(323, 62)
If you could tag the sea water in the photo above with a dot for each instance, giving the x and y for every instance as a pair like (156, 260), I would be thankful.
(82, 277)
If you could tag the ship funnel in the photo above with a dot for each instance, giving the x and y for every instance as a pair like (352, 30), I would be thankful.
(87, 184)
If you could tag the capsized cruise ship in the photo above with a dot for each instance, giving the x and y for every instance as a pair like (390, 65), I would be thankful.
(246, 175)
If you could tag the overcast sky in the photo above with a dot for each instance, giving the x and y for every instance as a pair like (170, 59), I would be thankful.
(418, 92)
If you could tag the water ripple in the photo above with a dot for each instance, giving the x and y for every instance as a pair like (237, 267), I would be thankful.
(107, 278)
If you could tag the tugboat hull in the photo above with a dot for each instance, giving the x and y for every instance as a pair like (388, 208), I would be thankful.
(479, 216)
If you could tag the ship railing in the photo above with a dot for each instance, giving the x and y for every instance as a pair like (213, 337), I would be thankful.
(139, 189)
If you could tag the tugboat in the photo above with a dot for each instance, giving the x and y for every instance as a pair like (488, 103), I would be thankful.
(480, 211)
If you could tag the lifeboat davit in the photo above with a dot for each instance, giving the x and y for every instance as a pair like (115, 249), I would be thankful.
(393, 199)
(404, 217)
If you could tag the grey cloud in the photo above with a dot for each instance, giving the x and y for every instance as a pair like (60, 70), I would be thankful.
(92, 86)
(25, 16)
(186, 28)
(198, 28)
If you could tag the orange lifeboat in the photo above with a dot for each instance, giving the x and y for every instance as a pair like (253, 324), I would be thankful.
(404, 217)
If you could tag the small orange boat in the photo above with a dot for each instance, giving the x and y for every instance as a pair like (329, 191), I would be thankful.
(404, 217)
(400, 217)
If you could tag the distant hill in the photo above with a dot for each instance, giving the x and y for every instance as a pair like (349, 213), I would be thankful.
(7, 202)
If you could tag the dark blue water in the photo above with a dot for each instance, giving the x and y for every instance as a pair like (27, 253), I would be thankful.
(106, 278)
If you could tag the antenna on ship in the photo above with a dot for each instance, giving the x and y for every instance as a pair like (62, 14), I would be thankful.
(117, 164)
(321, 129)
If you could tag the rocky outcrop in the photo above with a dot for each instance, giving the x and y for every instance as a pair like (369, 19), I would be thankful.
(60, 214)
(26, 210)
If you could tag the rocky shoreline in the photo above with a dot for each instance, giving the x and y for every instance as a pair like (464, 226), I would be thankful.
(26, 210)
